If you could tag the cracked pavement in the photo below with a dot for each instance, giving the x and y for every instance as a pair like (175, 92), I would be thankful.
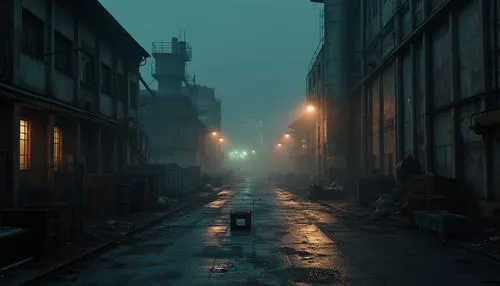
(292, 242)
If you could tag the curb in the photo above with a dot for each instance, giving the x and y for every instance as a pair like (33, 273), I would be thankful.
(87, 254)
(341, 209)
(102, 248)
(154, 221)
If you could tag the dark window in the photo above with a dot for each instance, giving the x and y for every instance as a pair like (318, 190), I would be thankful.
(63, 54)
(133, 94)
(105, 78)
(87, 68)
(121, 92)
(32, 35)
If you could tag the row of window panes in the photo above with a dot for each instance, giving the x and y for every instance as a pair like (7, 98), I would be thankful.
(33, 45)
(25, 145)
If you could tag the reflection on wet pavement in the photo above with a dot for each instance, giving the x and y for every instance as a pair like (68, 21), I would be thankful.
(292, 242)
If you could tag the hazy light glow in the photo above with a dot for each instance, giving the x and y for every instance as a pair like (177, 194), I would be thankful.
(310, 108)
(279, 145)
(214, 134)
(287, 136)
(237, 155)
(221, 140)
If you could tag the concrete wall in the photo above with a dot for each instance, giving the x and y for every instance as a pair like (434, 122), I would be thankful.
(430, 89)
(172, 128)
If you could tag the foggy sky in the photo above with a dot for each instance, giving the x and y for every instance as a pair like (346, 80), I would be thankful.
(254, 53)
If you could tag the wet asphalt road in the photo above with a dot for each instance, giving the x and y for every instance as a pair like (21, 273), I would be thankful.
(293, 242)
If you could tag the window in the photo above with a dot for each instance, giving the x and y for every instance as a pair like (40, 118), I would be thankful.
(32, 35)
(133, 94)
(24, 144)
(121, 91)
(105, 79)
(63, 54)
(57, 148)
(88, 68)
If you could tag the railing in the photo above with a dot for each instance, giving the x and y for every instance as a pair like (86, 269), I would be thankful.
(162, 47)
(316, 53)
(172, 48)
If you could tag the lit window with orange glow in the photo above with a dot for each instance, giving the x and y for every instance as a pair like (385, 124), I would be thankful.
(24, 144)
(57, 148)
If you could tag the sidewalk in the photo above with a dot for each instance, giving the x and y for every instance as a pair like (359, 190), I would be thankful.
(98, 237)
(485, 241)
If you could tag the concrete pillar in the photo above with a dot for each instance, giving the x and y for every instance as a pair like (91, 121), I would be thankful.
(428, 103)
(9, 154)
(16, 34)
(399, 96)
(42, 125)
(457, 151)
(117, 86)
(414, 101)
(50, 46)
(381, 121)
(364, 166)
(400, 115)
(98, 75)
(487, 99)
(98, 149)
(76, 61)
(77, 137)
(115, 154)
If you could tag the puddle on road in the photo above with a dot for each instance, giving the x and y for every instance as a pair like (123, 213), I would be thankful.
(217, 204)
(294, 252)
(221, 268)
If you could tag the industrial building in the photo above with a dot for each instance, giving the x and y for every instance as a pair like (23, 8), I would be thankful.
(410, 77)
(209, 113)
(68, 99)
(180, 116)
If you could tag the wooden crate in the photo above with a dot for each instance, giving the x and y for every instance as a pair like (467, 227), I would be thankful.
(442, 222)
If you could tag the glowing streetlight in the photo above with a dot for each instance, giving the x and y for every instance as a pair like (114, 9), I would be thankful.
(279, 145)
(253, 152)
(214, 134)
(310, 108)
(287, 136)
(221, 140)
